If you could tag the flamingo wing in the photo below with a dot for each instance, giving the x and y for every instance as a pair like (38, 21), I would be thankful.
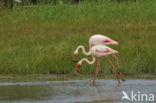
(102, 51)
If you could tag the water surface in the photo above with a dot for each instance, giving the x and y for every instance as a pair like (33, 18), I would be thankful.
(72, 91)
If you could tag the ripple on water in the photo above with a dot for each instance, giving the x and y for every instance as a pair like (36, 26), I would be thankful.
(72, 91)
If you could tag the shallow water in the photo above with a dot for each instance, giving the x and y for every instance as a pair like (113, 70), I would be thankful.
(73, 91)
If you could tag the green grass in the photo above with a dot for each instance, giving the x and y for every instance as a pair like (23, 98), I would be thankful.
(41, 40)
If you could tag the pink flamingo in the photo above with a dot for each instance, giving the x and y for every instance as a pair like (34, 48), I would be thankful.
(98, 39)
(99, 51)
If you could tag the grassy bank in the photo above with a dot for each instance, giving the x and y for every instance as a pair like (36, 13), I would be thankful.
(42, 39)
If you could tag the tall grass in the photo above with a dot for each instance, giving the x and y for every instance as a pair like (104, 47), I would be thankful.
(42, 39)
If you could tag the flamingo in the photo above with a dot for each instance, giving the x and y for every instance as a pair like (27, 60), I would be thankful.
(99, 51)
(98, 39)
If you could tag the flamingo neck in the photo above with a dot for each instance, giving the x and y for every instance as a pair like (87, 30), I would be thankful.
(86, 60)
(83, 50)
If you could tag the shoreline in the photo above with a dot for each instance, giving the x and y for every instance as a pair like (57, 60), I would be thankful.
(61, 77)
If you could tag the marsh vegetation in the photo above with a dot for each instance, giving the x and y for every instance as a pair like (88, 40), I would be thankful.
(41, 39)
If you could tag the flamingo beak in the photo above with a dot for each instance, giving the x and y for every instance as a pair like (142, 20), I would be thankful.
(114, 42)
(77, 67)
(74, 57)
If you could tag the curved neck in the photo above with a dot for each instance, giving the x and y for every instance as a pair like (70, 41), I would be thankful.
(83, 50)
(89, 62)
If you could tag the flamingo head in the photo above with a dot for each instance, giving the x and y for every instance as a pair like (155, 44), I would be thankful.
(74, 57)
(109, 41)
(78, 66)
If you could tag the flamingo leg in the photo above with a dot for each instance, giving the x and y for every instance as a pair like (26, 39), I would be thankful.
(117, 61)
(113, 69)
(97, 70)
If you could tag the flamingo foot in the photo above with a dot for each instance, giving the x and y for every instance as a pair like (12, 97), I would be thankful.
(92, 83)
(118, 79)
(122, 77)
(77, 67)
(74, 57)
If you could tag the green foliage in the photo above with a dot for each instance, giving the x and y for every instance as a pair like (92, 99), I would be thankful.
(42, 39)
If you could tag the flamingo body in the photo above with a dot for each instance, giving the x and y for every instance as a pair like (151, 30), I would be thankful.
(99, 39)
(101, 51)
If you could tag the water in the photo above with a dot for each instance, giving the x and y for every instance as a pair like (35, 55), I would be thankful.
(73, 91)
